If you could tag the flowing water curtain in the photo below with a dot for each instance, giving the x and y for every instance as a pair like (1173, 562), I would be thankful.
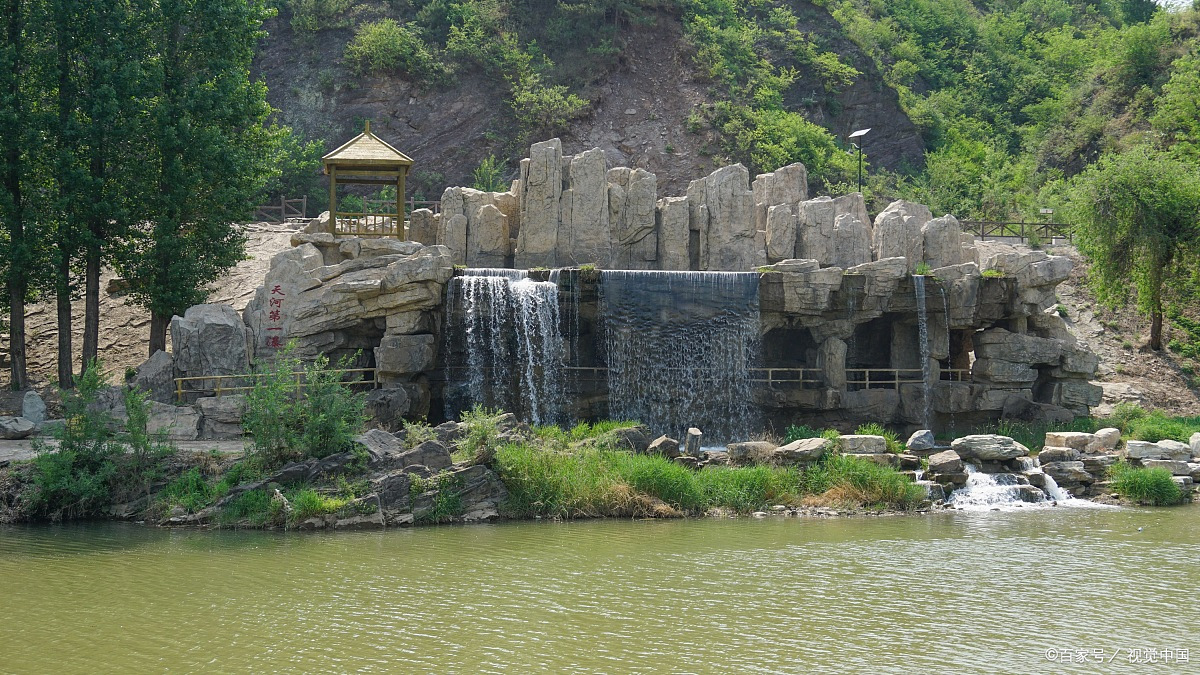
(506, 328)
(923, 344)
(679, 347)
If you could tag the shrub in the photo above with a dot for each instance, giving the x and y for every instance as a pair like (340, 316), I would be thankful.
(386, 46)
(447, 498)
(1145, 486)
(287, 423)
(416, 433)
(922, 269)
(489, 175)
(92, 461)
(1126, 413)
(796, 432)
(314, 15)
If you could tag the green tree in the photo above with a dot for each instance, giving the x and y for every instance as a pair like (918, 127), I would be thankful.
(1177, 113)
(210, 153)
(1137, 217)
(18, 255)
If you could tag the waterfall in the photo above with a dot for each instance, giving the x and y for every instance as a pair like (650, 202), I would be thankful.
(504, 329)
(923, 340)
(1056, 493)
(679, 346)
(985, 491)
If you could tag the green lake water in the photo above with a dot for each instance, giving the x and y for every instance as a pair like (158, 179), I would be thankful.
(960, 592)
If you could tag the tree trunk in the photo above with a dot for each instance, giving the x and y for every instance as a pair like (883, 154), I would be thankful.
(16, 334)
(91, 311)
(66, 379)
(18, 283)
(158, 332)
(1156, 321)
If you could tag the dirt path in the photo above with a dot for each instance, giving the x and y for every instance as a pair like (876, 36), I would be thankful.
(16, 451)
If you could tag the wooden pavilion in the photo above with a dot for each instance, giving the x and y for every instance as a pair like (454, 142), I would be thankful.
(367, 160)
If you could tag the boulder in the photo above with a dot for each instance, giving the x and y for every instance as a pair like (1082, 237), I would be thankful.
(1098, 465)
(665, 446)
(1194, 443)
(387, 407)
(726, 220)
(750, 452)
(405, 354)
(209, 340)
(178, 423)
(156, 377)
(863, 444)
(1077, 440)
(1029, 494)
(1067, 473)
(801, 451)
(33, 408)
(1177, 468)
(1164, 449)
(1109, 438)
(946, 461)
(1057, 454)
(422, 227)
(881, 458)
(15, 428)
(988, 447)
(541, 191)
(897, 232)
(222, 416)
(431, 454)
(941, 239)
(584, 235)
(636, 438)
(673, 235)
(780, 232)
(934, 492)
(691, 443)
(851, 241)
(921, 439)
(631, 217)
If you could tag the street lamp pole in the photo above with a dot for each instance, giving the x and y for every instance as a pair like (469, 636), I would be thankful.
(858, 146)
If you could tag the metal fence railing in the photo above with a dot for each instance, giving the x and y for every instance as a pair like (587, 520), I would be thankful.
(231, 384)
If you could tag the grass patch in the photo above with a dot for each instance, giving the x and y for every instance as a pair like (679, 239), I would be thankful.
(876, 429)
(447, 500)
(798, 432)
(307, 503)
(845, 480)
(581, 481)
(1154, 487)
(254, 507)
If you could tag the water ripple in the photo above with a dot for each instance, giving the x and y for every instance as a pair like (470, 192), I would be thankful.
(958, 592)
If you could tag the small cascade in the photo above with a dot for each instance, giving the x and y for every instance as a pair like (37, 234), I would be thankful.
(1056, 493)
(923, 340)
(679, 346)
(507, 330)
(985, 491)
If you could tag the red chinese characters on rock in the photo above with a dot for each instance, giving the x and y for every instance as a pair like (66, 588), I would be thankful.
(275, 317)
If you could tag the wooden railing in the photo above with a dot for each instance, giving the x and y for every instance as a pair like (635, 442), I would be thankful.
(856, 378)
(229, 384)
(281, 212)
(379, 218)
(985, 229)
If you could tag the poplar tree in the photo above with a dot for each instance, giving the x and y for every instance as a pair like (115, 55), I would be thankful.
(208, 155)
(16, 258)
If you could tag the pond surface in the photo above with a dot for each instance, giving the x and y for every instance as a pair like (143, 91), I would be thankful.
(960, 592)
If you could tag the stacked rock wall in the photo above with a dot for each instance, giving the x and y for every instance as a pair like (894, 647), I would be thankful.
(837, 293)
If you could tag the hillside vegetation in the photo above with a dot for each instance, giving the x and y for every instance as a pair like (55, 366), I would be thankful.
(991, 110)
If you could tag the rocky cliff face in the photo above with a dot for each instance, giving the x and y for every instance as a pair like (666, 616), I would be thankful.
(637, 114)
